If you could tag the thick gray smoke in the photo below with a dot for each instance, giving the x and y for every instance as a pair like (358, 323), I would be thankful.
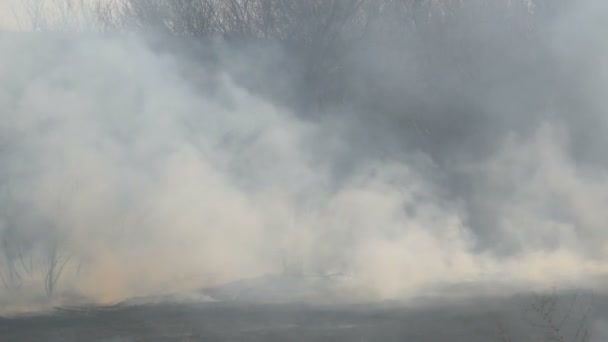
(129, 168)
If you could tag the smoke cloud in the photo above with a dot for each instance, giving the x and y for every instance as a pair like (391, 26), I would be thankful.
(137, 166)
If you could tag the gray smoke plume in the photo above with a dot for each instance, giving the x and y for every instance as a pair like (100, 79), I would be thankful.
(135, 164)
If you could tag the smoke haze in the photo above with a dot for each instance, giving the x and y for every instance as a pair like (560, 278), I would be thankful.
(143, 165)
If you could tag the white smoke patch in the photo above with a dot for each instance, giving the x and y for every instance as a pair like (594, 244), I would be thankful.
(119, 156)
(141, 181)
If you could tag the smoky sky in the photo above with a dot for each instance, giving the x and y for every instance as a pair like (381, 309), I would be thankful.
(467, 151)
(462, 97)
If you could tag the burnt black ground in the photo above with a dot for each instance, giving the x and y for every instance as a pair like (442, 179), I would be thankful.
(250, 322)
(470, 320)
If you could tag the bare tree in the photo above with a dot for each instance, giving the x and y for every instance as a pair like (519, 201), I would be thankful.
(317, 34)
(554, 318)
(14, 264)
(37, 14)
(55, 254)
(22, 255)
(53, 266)
(74, 15)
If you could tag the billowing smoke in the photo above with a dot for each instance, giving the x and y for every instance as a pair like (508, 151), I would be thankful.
(133, 165)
